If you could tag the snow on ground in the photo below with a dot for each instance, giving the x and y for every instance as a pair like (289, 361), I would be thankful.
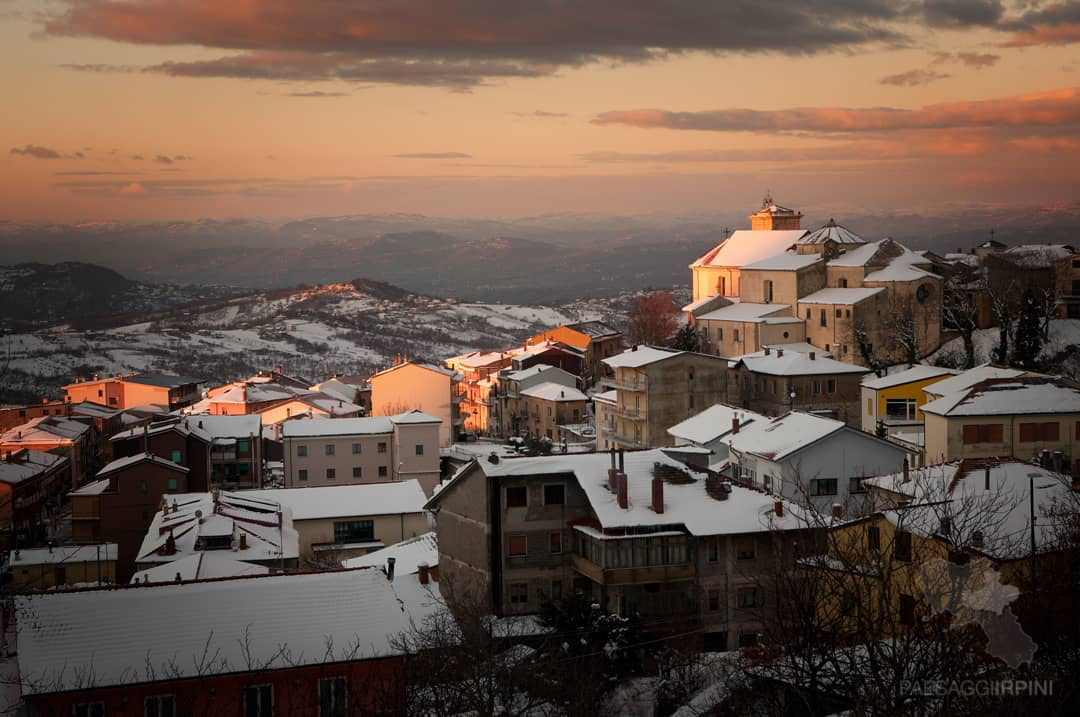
(1063, 334)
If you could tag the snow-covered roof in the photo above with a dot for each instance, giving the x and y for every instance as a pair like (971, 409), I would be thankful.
(638, 356)
(549, 391)
(192, 516)
(794, 363)
(800, 346)
(26, 464)
(121, 463)
(918, 372)
(778, 438)
(336, 388)
(745, 312)
(208, 428)
(96, 487)
(857, 256)
(418, 364)
(695, 305)
(408, 555)
(245, 392)
(310, 428)
(1010, 396)
(338, 501)
(45, 429)
(842, 296)
(119, 634)
(1038, 255)
(414, 416)
(203, 566)
(533, 370)
(785, 261)
(969, 378)
(685, 503)
(746, 246)
(712, 423)
(960, 258)
(95, 410)
(832, 231)
(1002, 512)
(611, 396)
(59, 554)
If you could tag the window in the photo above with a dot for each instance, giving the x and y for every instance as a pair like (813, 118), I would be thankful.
(382, 447)
(768, 291)
(720, 337)
(900, 409)
(357, 472)
(830, 385)
(89, 709)
(714, 551)
(736, 334)
(843, 283)
(175, 457)
(519, 593)
(747, 597)
(823, 486)
(554, 494)
(170, 484)
(555, 543)
(824, 318)
(549, 411)
(556, 590)
(744, 549)
(331, 473)
(519, 546)
(839, 313)
(382, 471)
(354, 531)
(301, 474)
(332, 697)
(329, 448)
(870, 407)
(855, 484)
(159, 706)
(259, 701)
(907, 610)
(991, 433)
(714, 600)
(113, 401)
(1042, 432)
(815, 386)
(902, 546)
(807, 314)
(517, 496)
(826, 348)
(419, 449)
(356, 449)
(873, 538)
(847, 313)
(691, 397)
(243, 446)
(301, 450)
(100, 393)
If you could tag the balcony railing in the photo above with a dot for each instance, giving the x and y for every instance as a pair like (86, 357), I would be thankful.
(636, 384)
(631, 559)
(628, 441)
(627, 411)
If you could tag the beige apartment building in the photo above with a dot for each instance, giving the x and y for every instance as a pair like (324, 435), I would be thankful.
(410, 386)
(744, 327)
(509, 410)
(1029, 418)
(378, 449)
(833, 315)
(657, 388)
(550, 405)
(126, 391)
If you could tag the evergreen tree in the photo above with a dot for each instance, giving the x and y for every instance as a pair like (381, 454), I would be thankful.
(687, 339)
(1029, 339)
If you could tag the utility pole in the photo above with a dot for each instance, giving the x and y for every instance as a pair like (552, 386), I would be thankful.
(1031, 501)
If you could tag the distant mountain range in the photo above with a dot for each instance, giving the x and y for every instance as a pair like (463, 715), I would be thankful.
(552, 258)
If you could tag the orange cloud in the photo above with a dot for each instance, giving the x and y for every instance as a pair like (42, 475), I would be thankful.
(1047, 35)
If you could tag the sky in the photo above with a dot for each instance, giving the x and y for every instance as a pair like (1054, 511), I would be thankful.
(151, 110)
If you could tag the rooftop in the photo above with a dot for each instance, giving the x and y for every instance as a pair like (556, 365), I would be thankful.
(638, 356)
(414, 416)
(59, 554)
(45, 429)
(832, 231)
(121, 463)
(745, 312)
(594, 329)
(203, 566)
(786, 261)
(95, 410)
(746, 246)
(549, 391)
(408, 555)
(918, 372)
(391, 498)
(313, 427)
(25, 464)
(967, 379)
(166, 629)
(778, 438)
(712, 423)
(208, 428)
(1010, 396)
(845, 297)
(794, 363)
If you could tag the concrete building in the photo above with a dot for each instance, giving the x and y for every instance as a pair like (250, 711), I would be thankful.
(62, 566)
(335, 523)
(656, 388)
(418, 386)
(118, 506)
(126, 391)
(107, 422)
(744, 328)
(509, 415)
(549, 405)
(645, 536)
(777, 380)
(594, 340)
(832, 317)
(811, 460)
(377, 449)
(605, 420)
(894, 401)
(32, 485)
(11, 416)
(710, 429)
(1030, 418)
(53, 434)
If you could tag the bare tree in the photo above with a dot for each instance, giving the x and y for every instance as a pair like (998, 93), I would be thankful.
(960, 313)
(653, 319)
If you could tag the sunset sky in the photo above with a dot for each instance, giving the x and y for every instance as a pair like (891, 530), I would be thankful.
(182, 109)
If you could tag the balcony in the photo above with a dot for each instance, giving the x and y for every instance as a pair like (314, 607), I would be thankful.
(636, 384)
(627, 411)
(628, 441)
(631, 559)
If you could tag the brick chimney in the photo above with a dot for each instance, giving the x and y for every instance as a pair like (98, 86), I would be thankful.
(657, 495)
(390, 567)
(622, 488)
(423, 572)
(613, 471)
(767, 351)
(243, 541)
(622, 461)
(734, 424)
(813, 356)
(778, 508)
(779, 353)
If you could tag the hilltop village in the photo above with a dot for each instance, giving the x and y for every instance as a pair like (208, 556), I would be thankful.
(753, 510)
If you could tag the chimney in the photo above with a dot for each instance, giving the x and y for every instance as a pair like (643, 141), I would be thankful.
(657, 495)
(178, 578)
(768, 351)
(622, 464)
(813, 356)
(243, 541)
(734, 424)
(778, 508)
(837, 511)
(390, 567)
(170, 544)
(986, 485)
(779, 353)
(50, 547)
(907, 472)
(634, 348)
(612, 473)
(422, 570)
(623, 496)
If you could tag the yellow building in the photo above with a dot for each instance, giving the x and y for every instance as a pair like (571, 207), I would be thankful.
(62, 565)
(895, 402)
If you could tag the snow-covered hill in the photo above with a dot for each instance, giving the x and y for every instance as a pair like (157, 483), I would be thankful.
(1064, 333)
(313, 333)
